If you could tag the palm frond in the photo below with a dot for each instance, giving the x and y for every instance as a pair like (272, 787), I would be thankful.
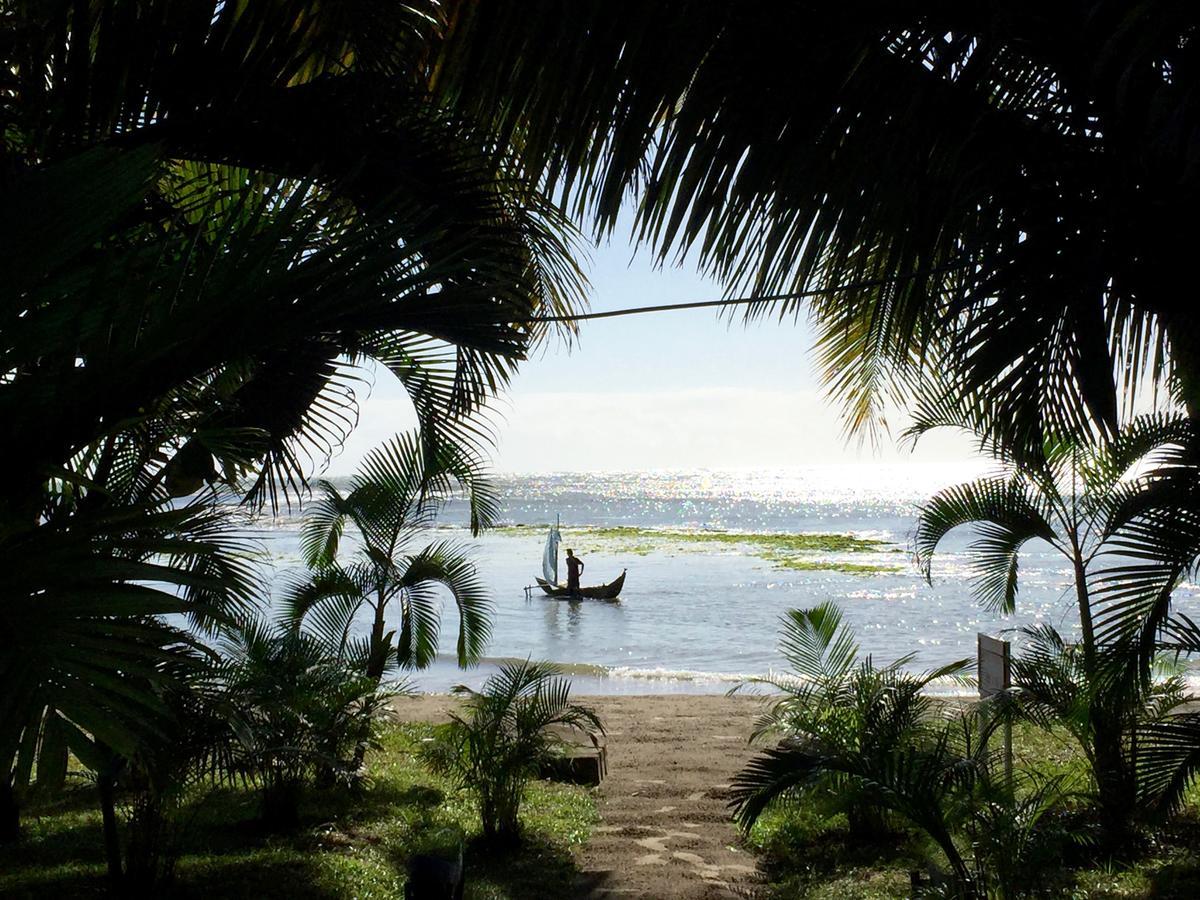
(1005, 515)
(817, 644)
(1168, 760)
(442, 564)
(323, 525)
(986, 256)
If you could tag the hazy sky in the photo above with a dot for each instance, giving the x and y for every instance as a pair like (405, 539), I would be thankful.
(659, 391)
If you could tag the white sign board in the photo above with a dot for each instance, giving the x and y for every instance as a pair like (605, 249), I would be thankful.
(995, 658)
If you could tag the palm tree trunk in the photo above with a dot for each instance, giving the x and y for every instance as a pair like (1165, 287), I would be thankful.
(508, 814)
(281, 801)
(962, 875)
(377, 653)
(1084, 601)
(1116, 787)
(1185, 356)
(376, 663)
(10, 812)
(866, 823)
(112, 839)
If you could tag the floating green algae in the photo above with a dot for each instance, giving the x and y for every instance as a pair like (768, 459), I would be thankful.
(805, 542)
(798, 552)
(829, 565)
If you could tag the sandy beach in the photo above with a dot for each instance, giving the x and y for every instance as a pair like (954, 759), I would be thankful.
(664, 829)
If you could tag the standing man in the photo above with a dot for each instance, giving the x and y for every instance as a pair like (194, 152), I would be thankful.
(574, 570)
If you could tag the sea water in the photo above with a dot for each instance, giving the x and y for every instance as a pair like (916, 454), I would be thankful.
(701, 607)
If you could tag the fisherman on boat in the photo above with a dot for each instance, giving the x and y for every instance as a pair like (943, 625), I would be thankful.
(574, 570)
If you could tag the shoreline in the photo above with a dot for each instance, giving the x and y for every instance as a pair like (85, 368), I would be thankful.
(597, 680)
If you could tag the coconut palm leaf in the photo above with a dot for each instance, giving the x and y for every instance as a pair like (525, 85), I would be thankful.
(1153, 535)
(1168, 760)
(817, 643)
(323, 526)
(1053, 688)
(1005, 515)
(434, 207)
(83, 608)
(408, 479)
(328, 600)
(914, 783)
(750, 139)
(441, 564)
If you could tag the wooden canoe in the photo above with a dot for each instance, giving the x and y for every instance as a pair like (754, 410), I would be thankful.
(610, 591)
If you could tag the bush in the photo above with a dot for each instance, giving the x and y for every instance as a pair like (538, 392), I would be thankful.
(833, 702)
(305, 715)
(868, 742)
(505, 738)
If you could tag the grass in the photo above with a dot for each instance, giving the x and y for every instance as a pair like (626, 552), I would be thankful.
(811, 856)
(347, 846)
(796, 552)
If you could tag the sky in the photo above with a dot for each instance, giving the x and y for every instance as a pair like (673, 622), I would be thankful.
(670, 390)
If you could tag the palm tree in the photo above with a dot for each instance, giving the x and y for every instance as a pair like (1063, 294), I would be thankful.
(942, 780)
(505, 739)
(835, 702)
(308, 715)
(873, 742)
(241, 246)
(396, 495)
(1082, 500)
(193, 266)
(88, 654)
(1021, 226)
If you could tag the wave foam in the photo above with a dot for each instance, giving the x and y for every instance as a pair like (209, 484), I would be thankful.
(661, 674)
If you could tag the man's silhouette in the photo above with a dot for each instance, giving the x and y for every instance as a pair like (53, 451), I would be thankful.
(574, 570)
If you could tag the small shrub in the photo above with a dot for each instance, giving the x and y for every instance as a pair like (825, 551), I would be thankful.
(833, 702)
(306, 715)
(505, 737)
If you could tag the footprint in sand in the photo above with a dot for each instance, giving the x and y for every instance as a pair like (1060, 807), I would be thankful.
(650, 859)
(659, 844)
(706, 870)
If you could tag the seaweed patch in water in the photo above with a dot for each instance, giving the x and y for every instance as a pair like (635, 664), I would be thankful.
(828, 565)
(802, 542)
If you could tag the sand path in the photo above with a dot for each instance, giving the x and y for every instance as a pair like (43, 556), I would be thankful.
(664, 830)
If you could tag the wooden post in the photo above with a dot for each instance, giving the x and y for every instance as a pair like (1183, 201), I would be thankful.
(995, 676)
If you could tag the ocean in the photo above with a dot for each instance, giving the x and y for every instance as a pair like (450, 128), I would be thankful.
(714, 558)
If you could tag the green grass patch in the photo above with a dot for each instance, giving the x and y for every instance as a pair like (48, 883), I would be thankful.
(810, 855)
(807, 542)
(347, 847)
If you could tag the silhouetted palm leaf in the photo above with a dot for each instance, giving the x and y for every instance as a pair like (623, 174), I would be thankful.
(1005, 514)
(1013, 227)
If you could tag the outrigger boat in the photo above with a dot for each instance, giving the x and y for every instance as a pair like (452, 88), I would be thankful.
(553, 588)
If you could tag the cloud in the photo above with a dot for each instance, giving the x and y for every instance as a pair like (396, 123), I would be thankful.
(665, 429)
(715, 427)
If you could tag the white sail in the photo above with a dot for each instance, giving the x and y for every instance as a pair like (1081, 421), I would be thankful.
(550, 556)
